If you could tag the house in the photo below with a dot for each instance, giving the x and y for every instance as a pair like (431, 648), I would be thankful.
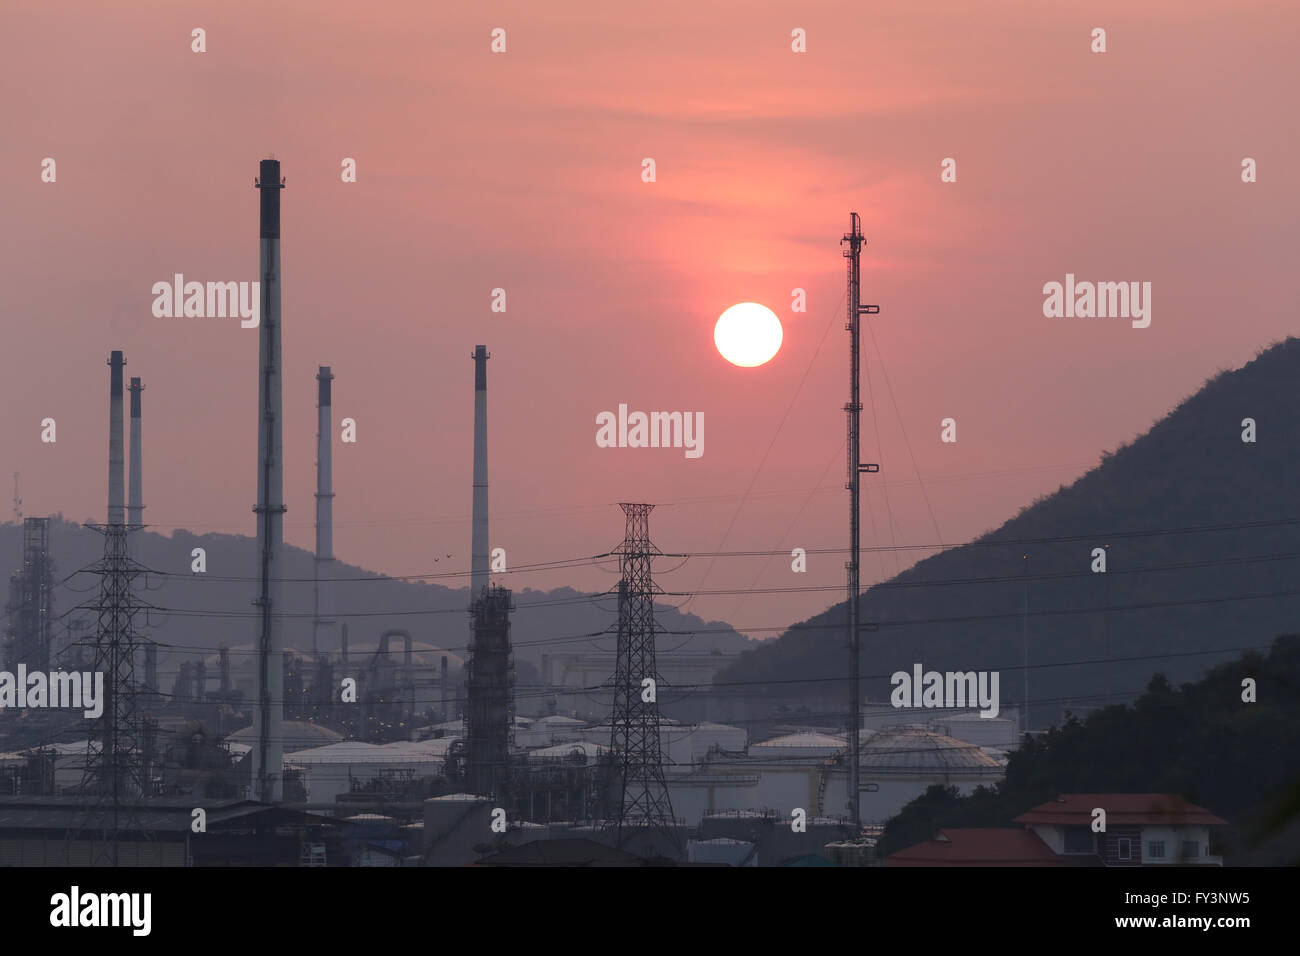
(1141, 829)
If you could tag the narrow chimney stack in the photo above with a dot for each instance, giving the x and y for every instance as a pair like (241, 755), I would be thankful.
(268, 714)
(135, 500)
(116, 463)
(479, 546)
(323, 623)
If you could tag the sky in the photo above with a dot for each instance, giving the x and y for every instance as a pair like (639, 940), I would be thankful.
(522, 170)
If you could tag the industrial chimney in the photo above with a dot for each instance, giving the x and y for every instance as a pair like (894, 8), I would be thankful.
(478, 578)
(135, 500)
(116, 483)
(268, 720)
(322, 625)
(489, 666)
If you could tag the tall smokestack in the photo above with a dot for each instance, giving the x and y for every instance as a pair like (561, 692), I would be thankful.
(268, 719)
(135, 500)
(478, 578)
(116, 476)
(322, 633)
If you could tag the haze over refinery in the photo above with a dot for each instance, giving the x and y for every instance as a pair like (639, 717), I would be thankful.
(724, 434)
(524, 173)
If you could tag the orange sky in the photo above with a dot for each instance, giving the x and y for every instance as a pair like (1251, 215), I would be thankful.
(522, 171)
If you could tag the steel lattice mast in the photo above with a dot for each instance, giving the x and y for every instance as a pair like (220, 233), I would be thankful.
(855, 469)
(643, 801)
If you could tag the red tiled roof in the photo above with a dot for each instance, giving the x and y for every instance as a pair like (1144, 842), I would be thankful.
(979, 847)
(1131, 809)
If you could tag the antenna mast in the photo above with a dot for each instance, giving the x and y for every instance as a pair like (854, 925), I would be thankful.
(855, 468)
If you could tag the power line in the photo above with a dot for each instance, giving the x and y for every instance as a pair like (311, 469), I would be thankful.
(884, 489)
(520, 569)
(793, 521)
(988, 541)
(182, 612)
(835, 679)
(567, 511)
(775, 435)
(808, 588)
(880, 356)
(577, 562)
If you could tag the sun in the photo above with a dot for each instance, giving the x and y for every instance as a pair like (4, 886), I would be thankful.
(748, 334)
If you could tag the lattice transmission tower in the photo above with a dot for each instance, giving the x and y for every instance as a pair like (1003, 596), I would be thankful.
(114, 782)
(642, 795)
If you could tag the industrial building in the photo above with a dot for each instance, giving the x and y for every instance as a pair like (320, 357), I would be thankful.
(352, 766)
(900, 764)
(30, 609)
(44, 832)
(807, 770)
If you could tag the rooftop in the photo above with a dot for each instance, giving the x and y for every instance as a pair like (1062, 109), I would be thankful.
(157, 814)
(298, 735)
(458, 798)
(982, 847)
(809, 739)
(914, 749)
(1131, 809)
(358, 751)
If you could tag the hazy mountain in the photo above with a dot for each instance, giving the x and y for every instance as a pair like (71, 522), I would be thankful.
(1172, 592)
(206, 610)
